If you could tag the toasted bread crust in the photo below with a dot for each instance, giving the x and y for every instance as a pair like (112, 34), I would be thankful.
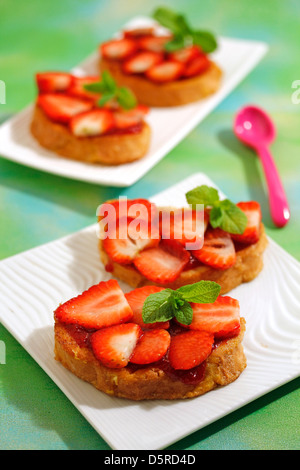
(106, 149)
(223, 366)
(176, 93)
(249, 263)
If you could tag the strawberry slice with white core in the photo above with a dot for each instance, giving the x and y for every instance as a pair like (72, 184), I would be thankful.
(189, 349)
(62, 108)
(167, 71)
(218, 249)
(154, 43)
(186, 55)
(77, 87)
(130, 236)
(218, 318)
(118, 49)
(141, 62)
(101, 305)
(196, 66)
(161, 265)
(125, 119)
(185, 225)
(136, 299)
(92, 123)
(151, 347)
(114, 346)
(252, 231)
(50, 82)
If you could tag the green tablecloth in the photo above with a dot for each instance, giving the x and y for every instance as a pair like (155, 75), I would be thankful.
(37, 207)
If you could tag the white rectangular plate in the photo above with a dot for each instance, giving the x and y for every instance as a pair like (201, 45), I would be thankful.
(169, 125)
(33, 283)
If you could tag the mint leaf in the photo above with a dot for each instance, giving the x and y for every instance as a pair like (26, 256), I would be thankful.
(157, 307)
(167, 18)
(184, 314)
(216, 216)
(233, 219)
(224, 214)
(205, 40)
(96, 87)
(183, 25)
(183, 33)
(108, 81)
(109, 90)
(105, 98)
(202, 292)
(167, 304)
(126, 98)
(202, 195)
(176, 43)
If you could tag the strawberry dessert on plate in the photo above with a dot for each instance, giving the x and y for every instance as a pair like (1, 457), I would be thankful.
(89, 119)
(164, 67)
(212, 239)
(151, 343)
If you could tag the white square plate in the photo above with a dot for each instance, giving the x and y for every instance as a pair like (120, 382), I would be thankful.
(169, 125)
(33, 283)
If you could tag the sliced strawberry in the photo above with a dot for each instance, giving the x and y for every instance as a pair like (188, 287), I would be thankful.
(197, 66)
(92, 123)
(133, 117)
(124, 208)
(126, 119)
(154, 43)
(218, 318)
(136, 299)
(186, 55)
(167, 71)
(62, 108)
(141, 62)
(138, 32)
(151, 347)
(160, 265)
(189, 349)
(50, 82)
(114, 346)
(101, 305)
(218, 249)
(118, 49)
(175, 248)
(125, 241)
(77, 87)
(185, 225)
(252, 232)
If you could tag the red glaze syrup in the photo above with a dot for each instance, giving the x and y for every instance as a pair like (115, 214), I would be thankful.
(80, 334)
(193, 263)
(109, 267)
(136, 129)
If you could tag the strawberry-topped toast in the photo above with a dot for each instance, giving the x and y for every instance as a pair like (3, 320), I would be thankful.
(164, 67)
(151, 343)
(89, 119)
(212, 239)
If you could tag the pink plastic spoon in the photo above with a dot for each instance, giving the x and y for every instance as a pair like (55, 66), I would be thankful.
(255, 129)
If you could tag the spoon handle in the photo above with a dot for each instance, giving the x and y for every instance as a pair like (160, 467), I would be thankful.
(279, 208)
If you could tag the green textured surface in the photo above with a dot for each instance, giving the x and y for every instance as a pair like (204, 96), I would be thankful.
(36, 207)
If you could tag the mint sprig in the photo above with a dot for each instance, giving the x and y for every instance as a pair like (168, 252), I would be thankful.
(167, 304)
(109, 90)
(223, 214)
(183, 34)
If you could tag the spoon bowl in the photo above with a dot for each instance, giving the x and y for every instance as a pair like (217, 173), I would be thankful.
(254, 128)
